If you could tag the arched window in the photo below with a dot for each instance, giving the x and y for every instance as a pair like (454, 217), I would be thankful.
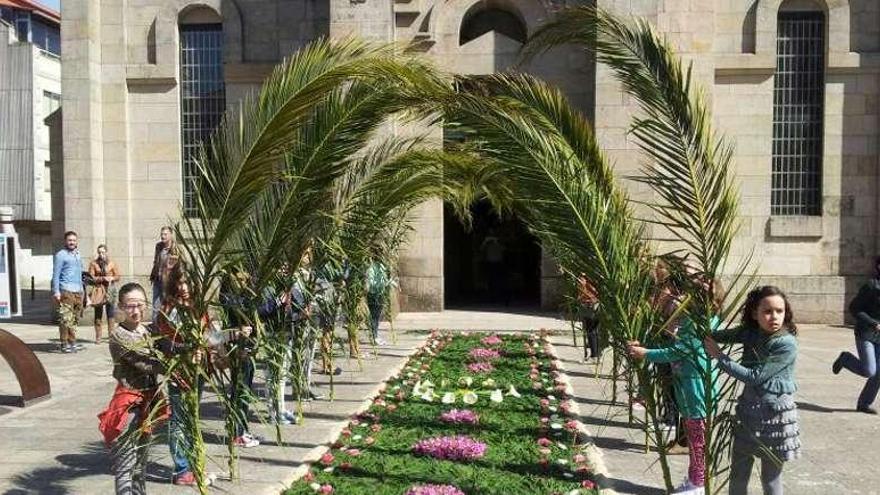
(478, 23)
(202, 89)
(798, 110)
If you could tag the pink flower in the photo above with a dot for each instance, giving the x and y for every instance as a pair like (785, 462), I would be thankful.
(309, 476)
(544, 442)
(480, 367)
(465, 416)
(376, 428)
(571, 424)
(545, 403)
(579, 458)
(457, 448)
(327, 459)
(391, 407)
(345, 465)
(482, 354)
(588, 484)
(353, 452)
(369, 440)
(491, 340)
(325, 489)
(346, 432)
(434, 490)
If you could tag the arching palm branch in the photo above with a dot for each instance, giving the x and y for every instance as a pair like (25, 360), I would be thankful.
(268, 174)
(688, 167)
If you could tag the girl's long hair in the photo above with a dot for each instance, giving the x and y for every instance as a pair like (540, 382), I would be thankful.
(753, 300)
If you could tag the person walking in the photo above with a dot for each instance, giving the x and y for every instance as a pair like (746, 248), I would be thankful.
(866, 310)
(159, 273)
(105, 274)
(766, 413)
(378, 283)
(129, 418)
(67, 290)
(589, 304)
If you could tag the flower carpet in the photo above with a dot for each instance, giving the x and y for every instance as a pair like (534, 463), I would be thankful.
(469, 414)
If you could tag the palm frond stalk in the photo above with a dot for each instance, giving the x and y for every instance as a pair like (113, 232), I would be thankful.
(688, 166)
(267, 178)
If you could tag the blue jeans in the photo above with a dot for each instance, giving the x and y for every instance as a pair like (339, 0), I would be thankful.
(865, 365)
(178, 443)
(157, 299)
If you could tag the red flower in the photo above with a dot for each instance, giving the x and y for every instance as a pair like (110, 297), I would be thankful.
(588, 484)
(544, 442)
(308, 477)
(327, 459)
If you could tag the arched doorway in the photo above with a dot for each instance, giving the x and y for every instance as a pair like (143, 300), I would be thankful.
(495, 262)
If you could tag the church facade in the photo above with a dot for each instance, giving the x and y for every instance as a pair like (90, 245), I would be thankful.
(793, 83)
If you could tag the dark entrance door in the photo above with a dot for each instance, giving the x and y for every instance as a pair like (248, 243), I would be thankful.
(495, 263)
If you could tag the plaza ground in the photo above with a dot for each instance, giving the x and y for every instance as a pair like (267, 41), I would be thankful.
(54, 447)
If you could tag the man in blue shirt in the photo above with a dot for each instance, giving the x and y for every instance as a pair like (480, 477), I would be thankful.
(67, 289)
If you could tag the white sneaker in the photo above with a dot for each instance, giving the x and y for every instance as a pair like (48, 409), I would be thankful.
(689, 488)
(246, 441)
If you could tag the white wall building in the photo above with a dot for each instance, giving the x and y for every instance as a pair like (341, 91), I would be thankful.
(30, 91)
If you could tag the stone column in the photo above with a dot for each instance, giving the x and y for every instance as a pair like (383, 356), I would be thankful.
(82, 114)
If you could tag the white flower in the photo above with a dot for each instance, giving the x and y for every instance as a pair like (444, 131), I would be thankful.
(562, 462)
(448, 398)
(428, 384)
(356, 437)
(496, 395)
(552, 408)
(328, 469)
(315, 486)
(556, 426)
(417, 388)
(550, 397)
(428, 395)
(513, 392)
(489, 383)
(465, 381)
(469, 398)
(562, 445)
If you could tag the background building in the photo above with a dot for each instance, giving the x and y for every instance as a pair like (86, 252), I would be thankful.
(30, 91)
(794, 83)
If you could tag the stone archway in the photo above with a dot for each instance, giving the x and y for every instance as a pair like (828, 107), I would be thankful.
(27, 367)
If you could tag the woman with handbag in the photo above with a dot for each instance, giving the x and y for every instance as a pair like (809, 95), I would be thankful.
(104, 274)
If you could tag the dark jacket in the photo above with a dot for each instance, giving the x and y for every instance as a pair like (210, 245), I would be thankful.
(866, 310)
(156, 272)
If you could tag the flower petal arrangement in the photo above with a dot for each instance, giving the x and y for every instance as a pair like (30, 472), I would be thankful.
(434, 490)
(416, 438)
(457, 448)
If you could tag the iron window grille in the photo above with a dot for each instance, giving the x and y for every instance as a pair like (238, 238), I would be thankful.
(202, 97)
(798, 114)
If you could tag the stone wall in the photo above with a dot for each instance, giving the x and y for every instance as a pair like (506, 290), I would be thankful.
(122, 140)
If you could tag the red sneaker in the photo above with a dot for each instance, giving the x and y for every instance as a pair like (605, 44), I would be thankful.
(185, 478)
